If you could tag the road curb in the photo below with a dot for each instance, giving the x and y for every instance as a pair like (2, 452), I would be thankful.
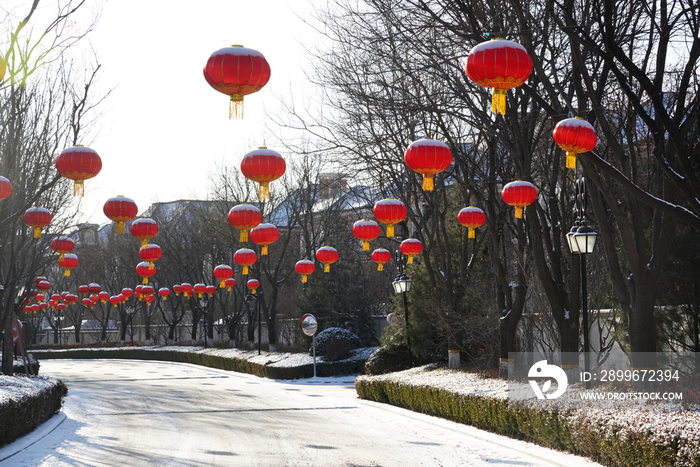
(32, 438)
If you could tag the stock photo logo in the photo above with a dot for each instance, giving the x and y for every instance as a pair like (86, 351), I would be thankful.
(541, 371)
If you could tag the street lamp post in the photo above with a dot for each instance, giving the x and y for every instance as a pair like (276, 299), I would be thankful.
(249, 298)
(581, 240)
(204, 303)
(402, 285)
(130, 310)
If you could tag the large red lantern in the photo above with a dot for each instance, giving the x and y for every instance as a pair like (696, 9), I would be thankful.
(5, 188)
(245, 257)
(366, 230)
(327, 255)
(62, 245)
(230, 283)
(37, 218)
(253, 285)
(145, 270)
(381, 257)
(244, 217)
(411, 247)
(223, 272)
(428, 157)
(144, 229)
(575, 136)
(501, 65)
(471, 217)
(68, 262)
(264, 235)
(164, 292)
(120, 210)
(519, 194)
(44, 286)
(263, 166)
(151, 252)
(78, 163)
(237, 71)
(390, 211)
(304, 267)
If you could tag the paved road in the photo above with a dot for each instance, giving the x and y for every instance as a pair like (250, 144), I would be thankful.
(128, 413)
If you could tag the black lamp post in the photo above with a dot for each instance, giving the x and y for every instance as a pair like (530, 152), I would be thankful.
(581, 240)
(130, 310)
(204, 303)
(402, 285)
(249, 298)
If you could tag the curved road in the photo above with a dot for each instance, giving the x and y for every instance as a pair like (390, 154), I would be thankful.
(127, 413)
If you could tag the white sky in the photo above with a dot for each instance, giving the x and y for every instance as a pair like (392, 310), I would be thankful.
(164, 129)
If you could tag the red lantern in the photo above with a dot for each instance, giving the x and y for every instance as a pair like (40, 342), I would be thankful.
(104, 296)
(151, 252)
(71, 299)
(83, 290)
(200, 289)
(164, 292)
(366, 230)
(210, 289)
(253, 285)
(40, 297)
(68, 262)
(127, 292)
(264, 235)
(390, 211)
(245, 257)
(87, 302)
(471, 217)
(244, 217)
(37, 218)
(230, 283)
(147, 290)
(381, 257)
(263, 166)
(120, 210)
(305, 267)
(237, 71)
(501, 65)
(62, 245)
(53, 303)
(575, 136)
(519, 194)
(223, 272)
(43, 305)
(56, 297)
(411, 247)
(62, 306)
(428, 157)
(145, 270)
(144, 229)
(43, 286)
(114, 300)
(177, 289)
(5, 188)
(327, 255)
(149, 299)
(186, 288)
(94, 288)
(78, 164)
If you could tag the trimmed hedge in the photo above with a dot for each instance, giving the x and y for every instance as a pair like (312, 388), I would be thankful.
(609, 443)
(337, 368)
(20, 418)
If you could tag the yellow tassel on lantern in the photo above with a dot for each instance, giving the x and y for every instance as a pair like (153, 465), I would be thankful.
(518, 213)
(229, 289)
(78, 188)
(303, 279)
(255, 291)
(428, 184)
(264, 191)
(199, 295)
(244, 236)
(390, 230)
(222, 284)
(164, 297)
(120, 228)
(245, 270)
(327, 268)
(144, 243)
(471, 234)
(570, 160)
(67, 273)
(264, 251)
(145, 281)
(410, 259)
(498, 101)
(235, 107)
(37, 232)
(380, 267)
(148, 303)
(365, 246)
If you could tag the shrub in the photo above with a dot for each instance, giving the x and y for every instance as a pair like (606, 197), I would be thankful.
(388, 359)
(336, 343)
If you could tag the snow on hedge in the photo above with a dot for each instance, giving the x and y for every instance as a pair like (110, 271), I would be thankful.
(20, 388)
